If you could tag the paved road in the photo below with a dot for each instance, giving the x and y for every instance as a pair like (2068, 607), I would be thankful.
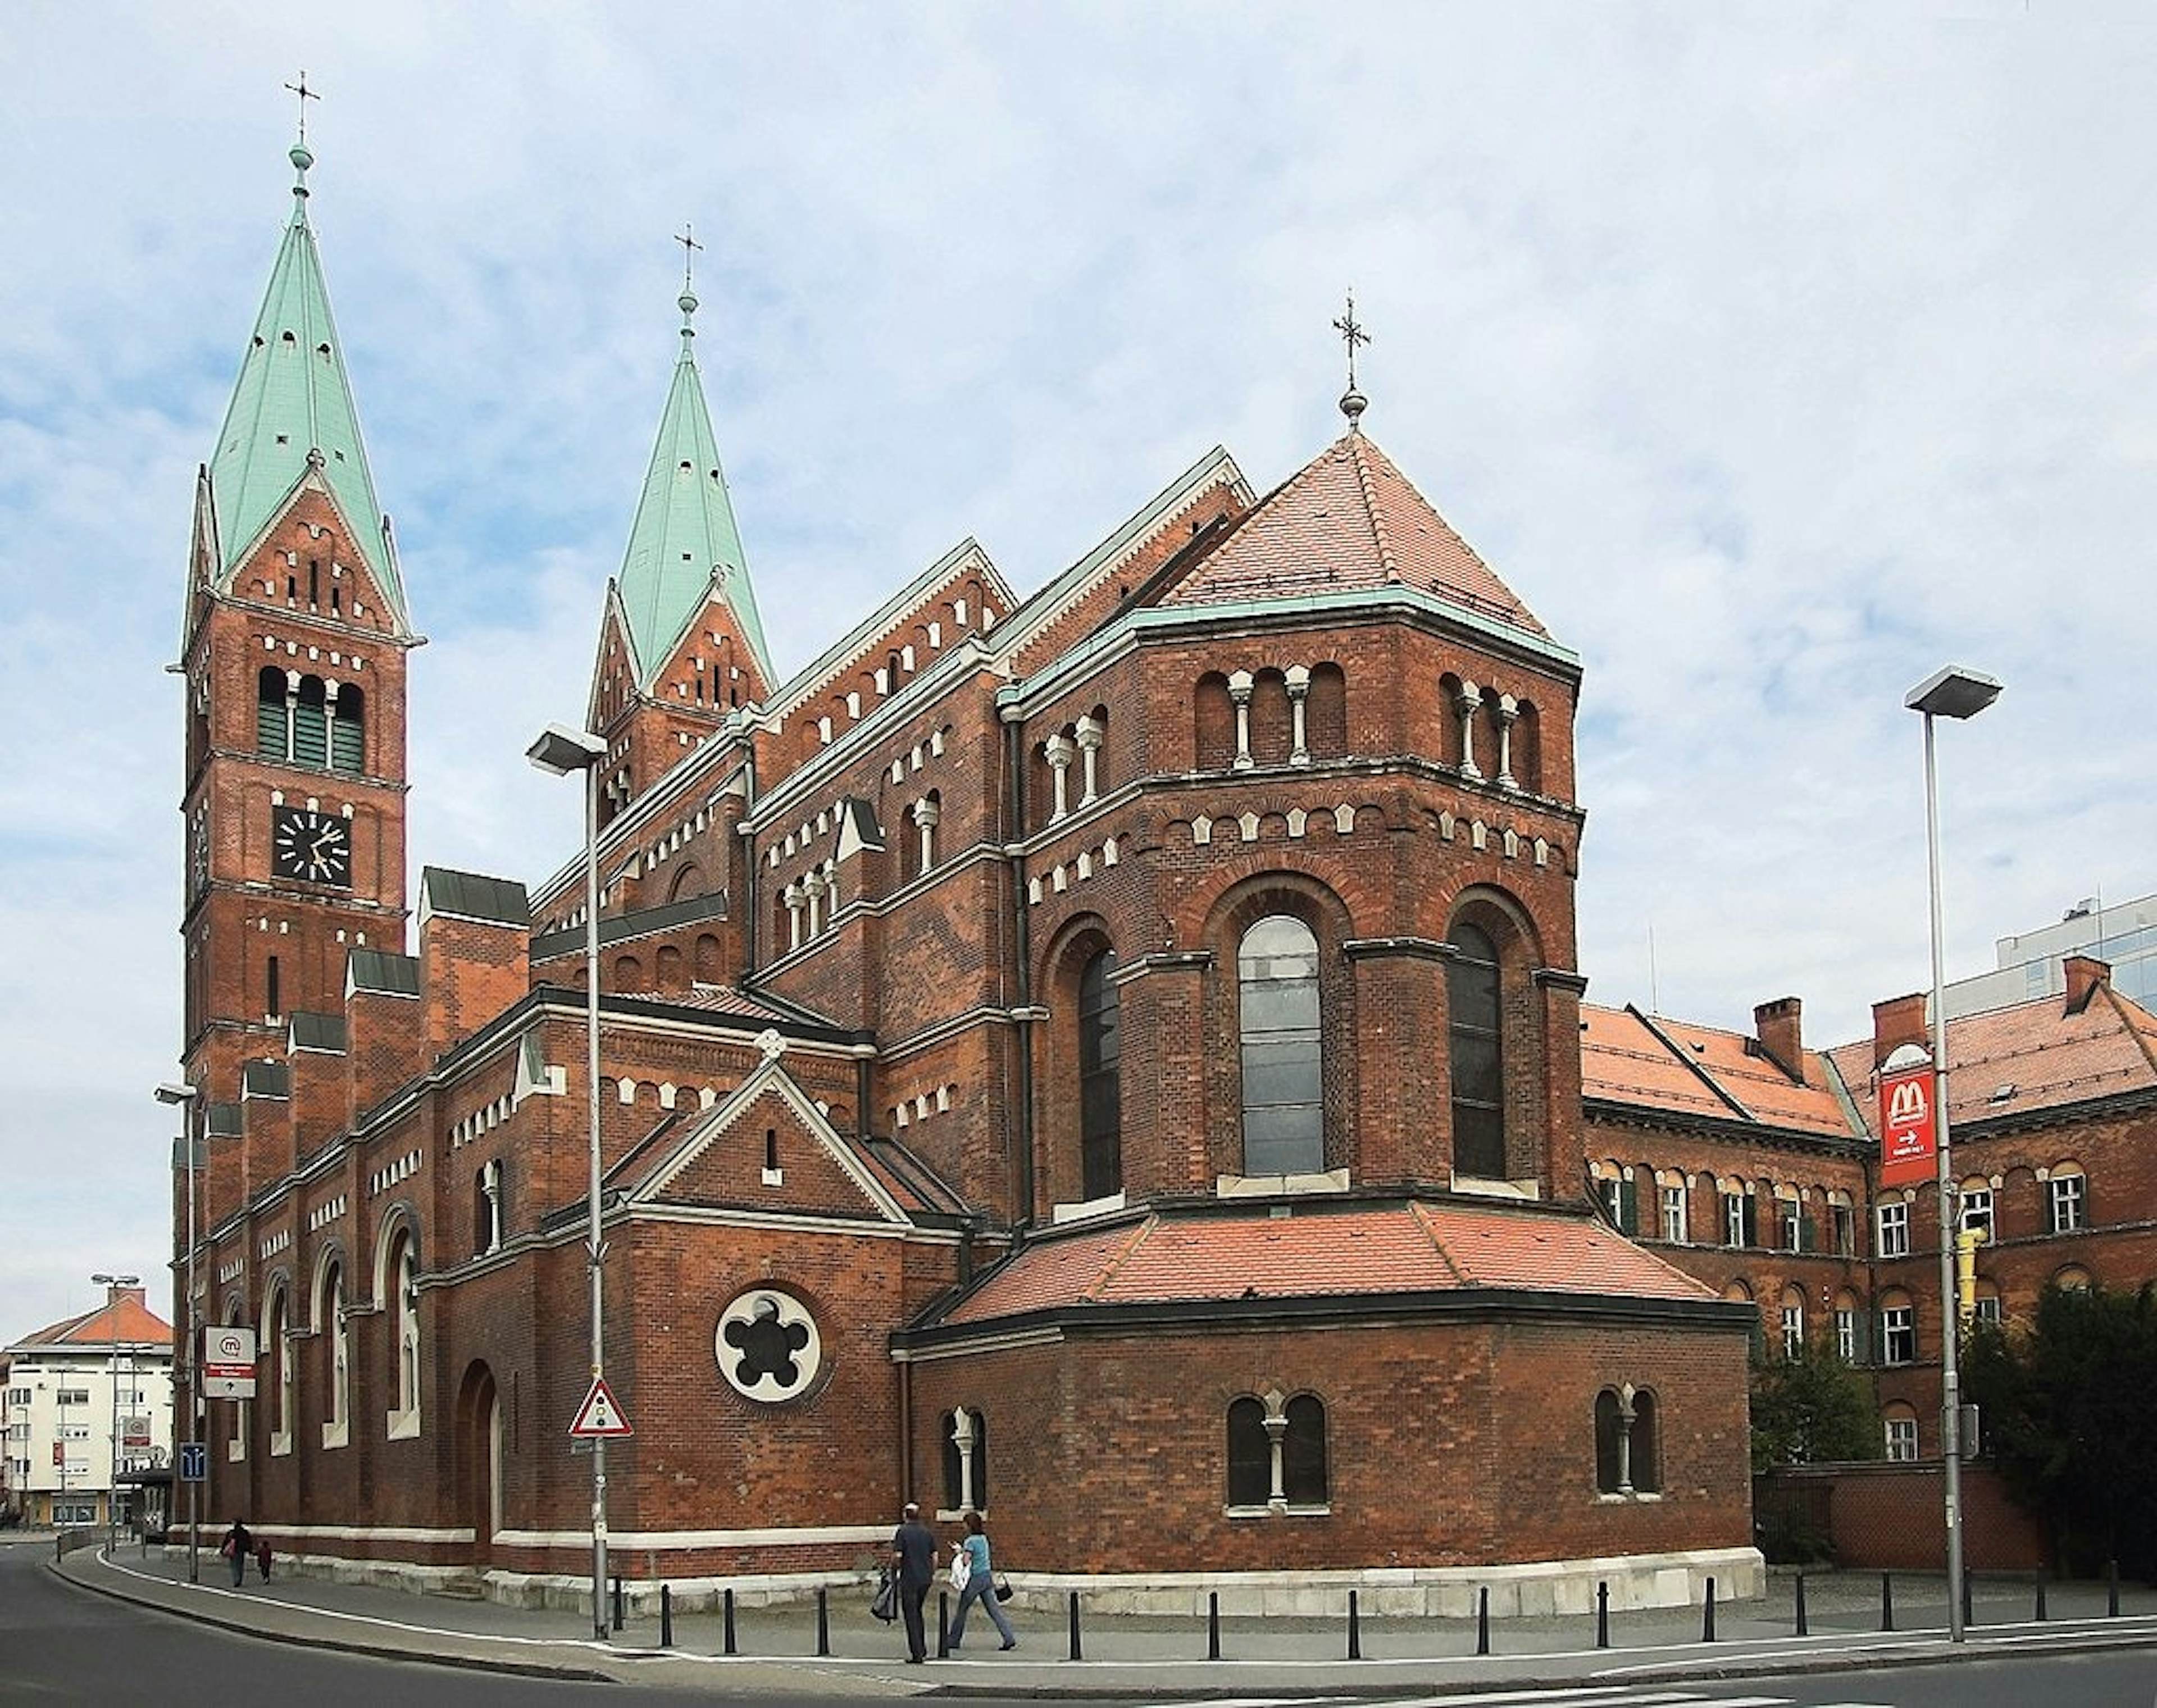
(62, 1645)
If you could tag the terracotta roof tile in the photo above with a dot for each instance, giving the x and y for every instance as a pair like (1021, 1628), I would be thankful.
(1420, 1247)
(1349, 519)
(2051, 1059)
(135, 1323)
(1665, 1065)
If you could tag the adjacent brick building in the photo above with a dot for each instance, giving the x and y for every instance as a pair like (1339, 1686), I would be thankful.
(1113, 1057)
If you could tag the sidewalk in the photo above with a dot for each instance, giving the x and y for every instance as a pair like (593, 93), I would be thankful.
(1132, 1657)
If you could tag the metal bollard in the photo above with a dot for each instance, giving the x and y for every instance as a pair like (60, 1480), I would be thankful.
(1076, 1653)
(2111, 1589)
(1707, 1614)
(1887, 1602)
(729, 1648)
(2042, 1614)
(1603, 1613)
(1354, 1629)
(1213, 1625)
(1969, 1584)
(943, 1625)
(666, 1616)
(617, 1601)
(823, 1622)
(1803, 1629)
(1483, 1621)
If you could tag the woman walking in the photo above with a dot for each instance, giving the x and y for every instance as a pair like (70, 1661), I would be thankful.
(980, 1585)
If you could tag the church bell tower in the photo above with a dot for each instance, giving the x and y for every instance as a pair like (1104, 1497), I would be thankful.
(295, 639)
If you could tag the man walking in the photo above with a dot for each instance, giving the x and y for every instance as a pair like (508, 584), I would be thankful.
(913, 1557)
(238, 1544)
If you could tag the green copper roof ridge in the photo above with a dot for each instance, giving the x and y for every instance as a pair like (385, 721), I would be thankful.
(660, 589)
(252, 473)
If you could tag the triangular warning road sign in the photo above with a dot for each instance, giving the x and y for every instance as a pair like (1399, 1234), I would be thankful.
(599, 1415)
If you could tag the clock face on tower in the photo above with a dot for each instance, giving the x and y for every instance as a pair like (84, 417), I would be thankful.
(312, 846)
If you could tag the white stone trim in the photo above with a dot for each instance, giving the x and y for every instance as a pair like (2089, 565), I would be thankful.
(805, 1536)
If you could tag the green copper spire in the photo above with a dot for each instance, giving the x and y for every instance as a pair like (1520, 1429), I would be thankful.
(684, 536)
(292, 410)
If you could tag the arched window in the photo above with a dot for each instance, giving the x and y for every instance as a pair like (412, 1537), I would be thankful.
(628, 973)
(331, 1323)
(688, 882)
(273, 716)
(1646, 1456)
(348, 730)
(311, 730)
(487, 1209)
(1901, 1426)
(1792, 1322)
(1478, 1079)
(707, 970)
(1277, 980)
(1250, 1454)
(965, 1436)
(667, 973)
(277, 1349)
(405, 1277)
(1609, 1431)
(1303, 1451)
(1100, 1082)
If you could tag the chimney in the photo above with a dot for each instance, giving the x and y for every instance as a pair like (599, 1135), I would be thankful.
(1898, 1021)
(475, 952)
(2085, 974)
(1778, 1026)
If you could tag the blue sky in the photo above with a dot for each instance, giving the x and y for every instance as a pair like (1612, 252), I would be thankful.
(1774, 356)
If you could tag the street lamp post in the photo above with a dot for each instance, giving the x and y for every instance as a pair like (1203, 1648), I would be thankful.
(563, 751)
(112, 1284)
(184, 1097)
(1949, 693)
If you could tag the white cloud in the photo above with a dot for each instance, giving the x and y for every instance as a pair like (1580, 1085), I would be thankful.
(1774, 359)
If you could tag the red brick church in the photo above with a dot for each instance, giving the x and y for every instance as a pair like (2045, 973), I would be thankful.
(1109, 1055)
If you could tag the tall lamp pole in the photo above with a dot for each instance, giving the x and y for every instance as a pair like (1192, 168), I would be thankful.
(112, 1284)
(563, 751)
(183, 1098)
(1949, 692)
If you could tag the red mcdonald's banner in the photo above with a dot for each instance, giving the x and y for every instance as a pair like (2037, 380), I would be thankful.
(1906, 1131)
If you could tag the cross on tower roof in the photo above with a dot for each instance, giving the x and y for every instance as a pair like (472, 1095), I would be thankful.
(1352, 402)
(689, 248)
(305, 94)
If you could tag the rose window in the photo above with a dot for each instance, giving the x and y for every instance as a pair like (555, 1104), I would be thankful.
(767, 1346)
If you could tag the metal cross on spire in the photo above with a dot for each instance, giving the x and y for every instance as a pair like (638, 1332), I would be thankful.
(305, 94)
(689, 299)
(1352, 402)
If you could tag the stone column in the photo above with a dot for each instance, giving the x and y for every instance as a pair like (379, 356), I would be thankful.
(1059, 750)
(1240, 691)
(1508, 710)
(926, 812)
(1298, 692)
(1089, 753)
(1471, 703)
(812, 890)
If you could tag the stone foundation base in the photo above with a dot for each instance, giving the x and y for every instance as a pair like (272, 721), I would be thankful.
(1540, 1588)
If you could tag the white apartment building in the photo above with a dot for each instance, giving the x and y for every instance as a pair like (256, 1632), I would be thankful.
(79, 1400)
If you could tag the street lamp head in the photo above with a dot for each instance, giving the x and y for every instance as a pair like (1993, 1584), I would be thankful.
(1952, 692)
(562, 750)
(177, 1093)
(116, 1280)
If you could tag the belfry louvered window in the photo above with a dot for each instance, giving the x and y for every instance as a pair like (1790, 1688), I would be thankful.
(347, 731)
(311, 745)
(273, 717)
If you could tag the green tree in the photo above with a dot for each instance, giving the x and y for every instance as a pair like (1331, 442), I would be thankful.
(1808, 1408)
(2065, 1413)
